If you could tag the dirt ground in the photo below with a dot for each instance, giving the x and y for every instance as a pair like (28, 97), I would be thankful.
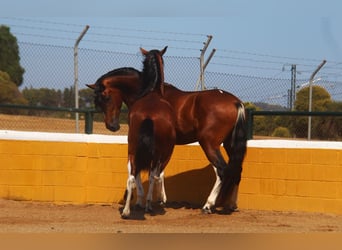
(35, 217)
(50, 124)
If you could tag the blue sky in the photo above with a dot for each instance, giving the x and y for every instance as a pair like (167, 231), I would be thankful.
(251, 37)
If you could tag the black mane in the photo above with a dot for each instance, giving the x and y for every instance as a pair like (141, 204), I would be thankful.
(152, 73)
(99, 88)
(119, 71)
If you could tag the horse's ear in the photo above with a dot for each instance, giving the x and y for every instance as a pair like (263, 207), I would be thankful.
(92, 86)
(143, 51)
(163, 50)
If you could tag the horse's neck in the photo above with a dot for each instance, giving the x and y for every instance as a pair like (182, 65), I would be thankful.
(130, 97)
(129, 100)
(130, 88)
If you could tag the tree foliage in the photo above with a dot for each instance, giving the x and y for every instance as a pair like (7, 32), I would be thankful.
(320, 99)
(9, 93)
(43, 97)
(9, 56)
(324, 128)
(281, 132)
(327, 128)
(63, 98)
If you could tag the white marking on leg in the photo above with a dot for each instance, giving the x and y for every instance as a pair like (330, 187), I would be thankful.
(161, 189)
(129, 166)
(130, 184)
(140, 191)
(213, 194)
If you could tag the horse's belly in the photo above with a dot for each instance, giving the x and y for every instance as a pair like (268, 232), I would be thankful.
(185, 138)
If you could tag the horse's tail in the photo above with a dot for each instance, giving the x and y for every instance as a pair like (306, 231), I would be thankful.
(238, 147)
(145, 146)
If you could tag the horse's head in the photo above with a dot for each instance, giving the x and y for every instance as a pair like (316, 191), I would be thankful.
(113, 88)
(109, 101)
(153, 71)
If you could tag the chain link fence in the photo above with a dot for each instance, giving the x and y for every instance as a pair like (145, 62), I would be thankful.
(50, 70)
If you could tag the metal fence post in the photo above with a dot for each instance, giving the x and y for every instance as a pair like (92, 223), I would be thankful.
(88, 128)
(76, 74)
(204, 64)
(250, 119)
(310, 95)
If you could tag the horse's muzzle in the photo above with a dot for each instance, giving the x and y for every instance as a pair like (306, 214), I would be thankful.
(115, 126)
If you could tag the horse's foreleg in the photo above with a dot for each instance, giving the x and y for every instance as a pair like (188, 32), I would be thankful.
(130, 185)
(161, 189)
(140, 191)
(213, 195)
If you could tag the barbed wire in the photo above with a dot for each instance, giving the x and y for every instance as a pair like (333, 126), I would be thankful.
(269, 55)
(106, 34)
(260, 63)
(104, 27)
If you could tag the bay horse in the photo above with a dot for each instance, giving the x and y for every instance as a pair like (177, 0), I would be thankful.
(211, 117)
(151, 135)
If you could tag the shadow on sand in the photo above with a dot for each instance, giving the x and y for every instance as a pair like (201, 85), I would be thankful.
(188, 190)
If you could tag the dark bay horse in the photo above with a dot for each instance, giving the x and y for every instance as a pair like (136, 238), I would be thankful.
(151, 135)
(211, 117)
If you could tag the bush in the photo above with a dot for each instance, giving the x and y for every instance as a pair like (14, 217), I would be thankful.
(281, 132)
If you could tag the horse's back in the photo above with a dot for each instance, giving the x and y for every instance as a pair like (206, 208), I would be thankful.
(172, 91)
(202, 113)
(191, 107)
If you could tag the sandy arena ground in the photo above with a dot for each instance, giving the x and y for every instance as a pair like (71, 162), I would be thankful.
(35, 217)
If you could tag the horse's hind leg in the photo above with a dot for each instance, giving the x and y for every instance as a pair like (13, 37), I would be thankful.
(235, 161)
(213, 153)
(161, 189)
(149, 196)
(213, 195)
(130, 185)
(140, 192)
(232, 202)
(216, 159)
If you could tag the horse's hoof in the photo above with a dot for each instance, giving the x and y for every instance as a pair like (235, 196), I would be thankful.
(233, 209)
(161, 203)
(138, 207)
(206, 210)
(149, 210)
(124, 216)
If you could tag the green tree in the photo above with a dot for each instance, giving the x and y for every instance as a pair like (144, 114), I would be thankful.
(320, 99)
(86, 98)
(322, 127)
(266, 125)
(9, 56)
(69, 97)
(332, 127)
(9, 93)
(43, 97)
(281, 132)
